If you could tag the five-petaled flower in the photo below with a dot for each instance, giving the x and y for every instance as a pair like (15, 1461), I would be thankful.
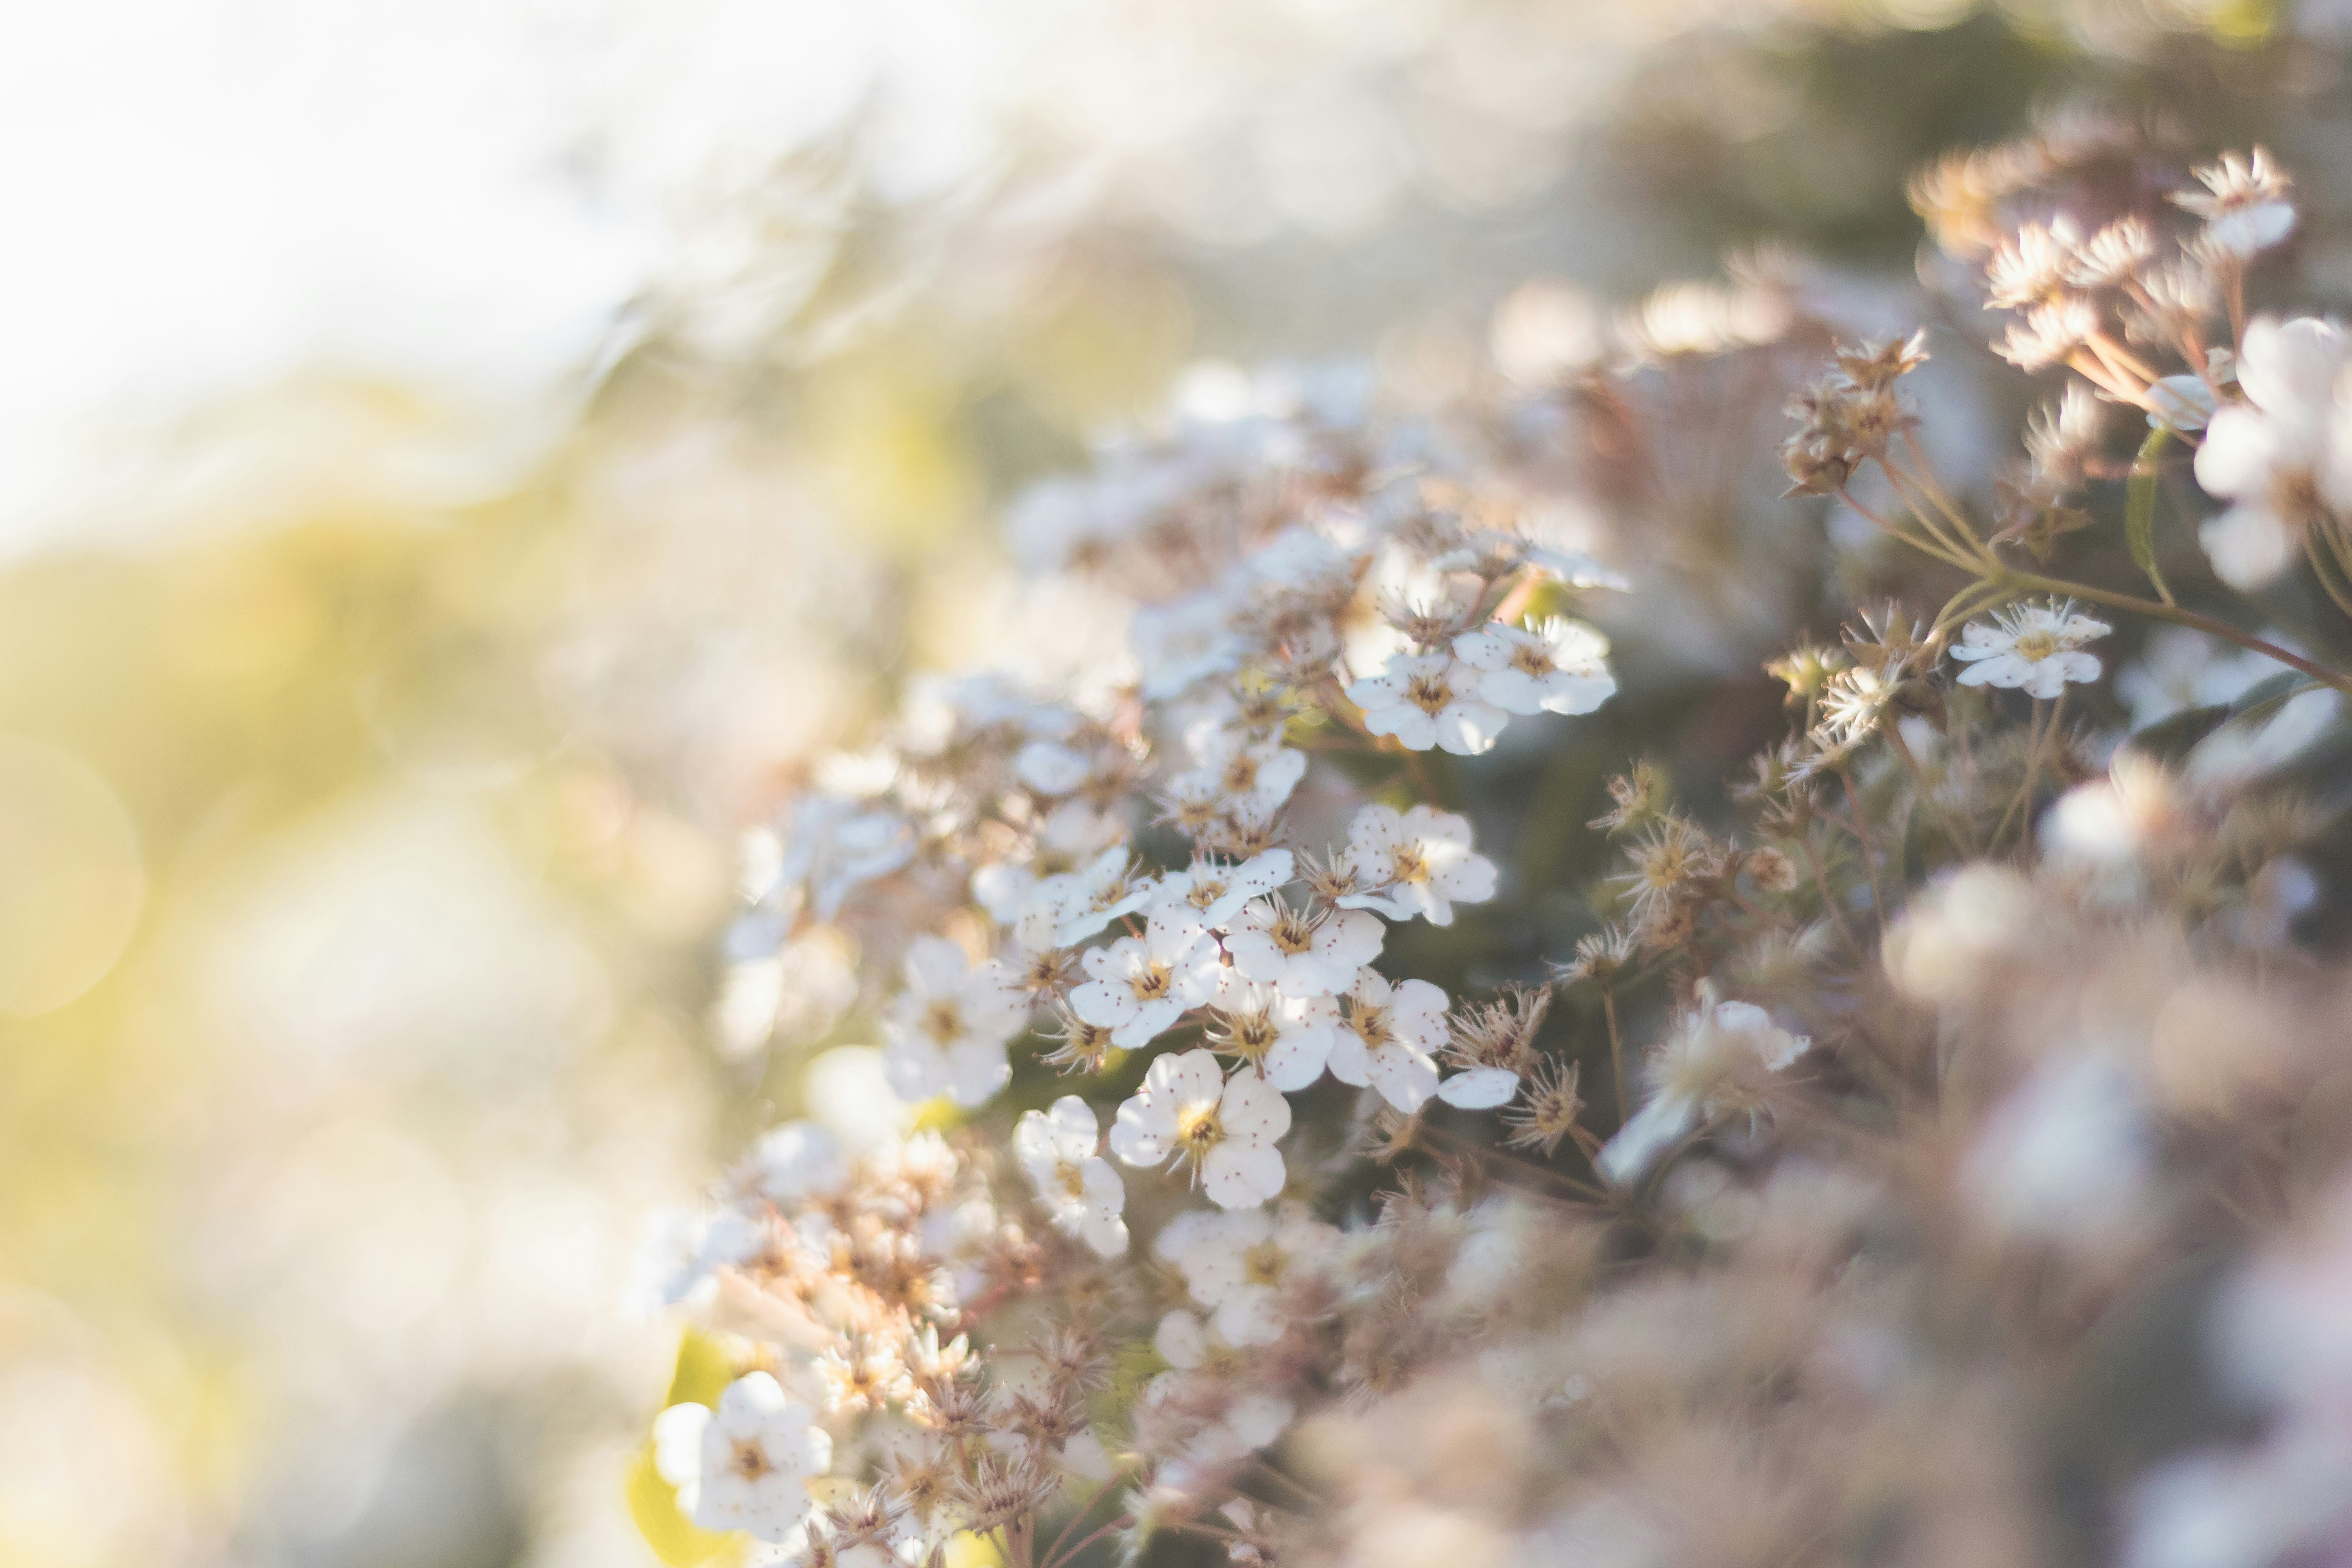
(1300, 953)
(2034, 647)
(1389, 1038)
(947, 1029)
(1557, 666)
(1417, 862)
(1226, 1129)
(746, 1465)
(1428, 700)
(1142, 984)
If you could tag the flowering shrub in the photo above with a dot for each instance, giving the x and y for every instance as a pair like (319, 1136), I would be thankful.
(1267, 1202)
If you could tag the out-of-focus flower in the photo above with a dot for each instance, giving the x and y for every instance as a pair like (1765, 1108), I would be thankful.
(1237, 1264)
(1713, 1065)
(2245, 203)
(746, 1465)
(947, 1030)
(1076, 1185)
(2276, 458)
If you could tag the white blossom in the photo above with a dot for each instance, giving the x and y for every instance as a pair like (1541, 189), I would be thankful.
(2034, 647)
(1213, 892)
(947, 1030)
(1237, 772)
(1709, 1066)
(746, 1465)
(1249, 1419)
(1142, 986)
(1285, 1040)
(1237, 1264)
(2279, 456)
(1076, 1185)
(1226, 1129)
(796, 1160)
(1299, 953)
(1428, 700)
(1065, 909)
(1417, 862)
(1389, 1040)
(1557, 665)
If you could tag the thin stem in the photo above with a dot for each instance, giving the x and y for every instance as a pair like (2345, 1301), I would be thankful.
(1121, 1522)
(1936, 547)
(1869, 852)
(2181, 617)
(1829, 900)
(1616, 1052)
(2341, 593)
(1055, 1551)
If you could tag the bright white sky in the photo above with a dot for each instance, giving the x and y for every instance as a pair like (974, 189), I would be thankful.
(204, 194)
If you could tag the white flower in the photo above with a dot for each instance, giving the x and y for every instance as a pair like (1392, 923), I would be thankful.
(1557, 667)
(1064, 910)
(1713, 1065)
(1176, 645)
(2245, 203)
(1250, 1420)
(796, 1160)
(1226, 1129)
(1428, 700)
(2034, 647)
(1237, 1264)
(746, 1465)
(1051, 768)
(1285, 1040)
(947, 1029)
(834, 846)
(1300, 955)
(1004, 890)
(1214, 893)
(1236, 773)
(1416, 863)
(2277, 457)
(1390, 1037)
(1076, 1185)
(1142, 986)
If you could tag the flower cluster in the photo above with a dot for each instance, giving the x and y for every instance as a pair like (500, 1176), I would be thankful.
(1316, 1163)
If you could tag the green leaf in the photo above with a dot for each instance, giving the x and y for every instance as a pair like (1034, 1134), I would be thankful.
(2268, 695)
(2140, 509)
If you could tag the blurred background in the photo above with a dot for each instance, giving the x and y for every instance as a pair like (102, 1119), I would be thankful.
(462, 463)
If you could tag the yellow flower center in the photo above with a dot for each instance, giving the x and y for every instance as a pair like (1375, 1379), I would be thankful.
(1198, 1130)
(1072, 1177)
(748, 1460)
(1408, 865)
(1151, 982)
(1262, 1264)
(943, 1022)
(1252, 1036)
(1370, 1025)
(2035, 645)
(1293, 934)
(1531, 658)
(1429, 694)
